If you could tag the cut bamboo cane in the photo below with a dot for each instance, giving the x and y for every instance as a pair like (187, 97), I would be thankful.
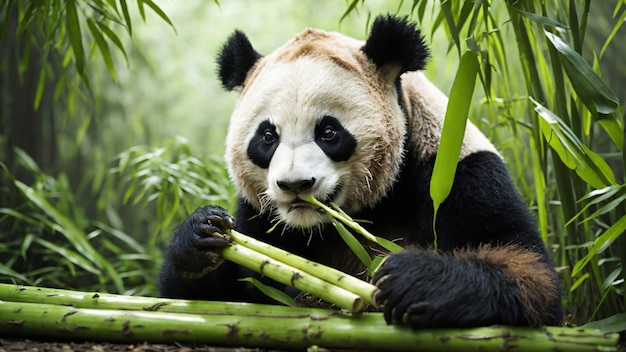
(357, 286)
(291, 276)
(361, 332)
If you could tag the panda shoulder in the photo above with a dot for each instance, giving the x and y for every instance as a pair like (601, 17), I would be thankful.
(426, 107)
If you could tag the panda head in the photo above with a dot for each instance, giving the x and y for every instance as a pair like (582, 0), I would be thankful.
(319, 116)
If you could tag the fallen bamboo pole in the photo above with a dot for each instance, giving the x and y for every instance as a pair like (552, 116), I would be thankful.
(58, 314)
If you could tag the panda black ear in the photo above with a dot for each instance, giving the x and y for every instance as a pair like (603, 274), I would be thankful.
(235, 59)
(396, 46)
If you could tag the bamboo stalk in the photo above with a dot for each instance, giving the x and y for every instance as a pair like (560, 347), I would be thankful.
(363, 331)
(99, 300)
(291, 276)
(326, 273)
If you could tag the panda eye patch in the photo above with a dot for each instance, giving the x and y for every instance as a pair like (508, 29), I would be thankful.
(263, 144)
(334, 140)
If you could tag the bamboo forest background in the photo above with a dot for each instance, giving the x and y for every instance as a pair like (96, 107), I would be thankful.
(112, 124)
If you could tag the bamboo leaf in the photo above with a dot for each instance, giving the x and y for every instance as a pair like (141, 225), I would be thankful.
(376, 262)
(540, 19)
(7, 9)
(446, 10)
(129, 25)
(156, 10)
(104, 48)
(596, 95)
(616, 28)
(349, 10)
(271, 292)
(70, 255)
(114, 38)
(601, 243)
(614, 323)
(453, 130)
(575, 155)
(354, 244)
(75, 36)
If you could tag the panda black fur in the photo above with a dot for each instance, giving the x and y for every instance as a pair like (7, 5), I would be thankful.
(357, 123)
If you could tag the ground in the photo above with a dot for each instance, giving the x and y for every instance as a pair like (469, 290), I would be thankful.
(21, 345)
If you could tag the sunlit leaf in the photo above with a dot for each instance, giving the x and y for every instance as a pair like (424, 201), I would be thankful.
(589, 87)
(592, 168)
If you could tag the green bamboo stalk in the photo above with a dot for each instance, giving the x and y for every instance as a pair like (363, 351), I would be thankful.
(99, 300)
(291, 276)
(363, 331)
(323, 272)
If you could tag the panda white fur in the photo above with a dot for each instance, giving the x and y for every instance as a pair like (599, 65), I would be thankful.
(356, 123)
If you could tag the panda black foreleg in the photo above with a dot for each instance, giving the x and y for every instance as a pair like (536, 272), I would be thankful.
(189, 270)
(470, 287)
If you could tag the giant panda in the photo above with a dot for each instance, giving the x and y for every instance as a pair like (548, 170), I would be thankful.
(358, 124)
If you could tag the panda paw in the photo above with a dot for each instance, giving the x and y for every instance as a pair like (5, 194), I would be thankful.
(414, 290)
(201, 237)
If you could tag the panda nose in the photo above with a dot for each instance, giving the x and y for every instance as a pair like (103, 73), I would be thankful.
(296, 186)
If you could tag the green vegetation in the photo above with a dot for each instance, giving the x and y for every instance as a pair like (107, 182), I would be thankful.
(94, 94)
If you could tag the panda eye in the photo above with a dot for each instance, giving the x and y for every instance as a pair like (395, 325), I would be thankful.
(328, 134)
(269, 137)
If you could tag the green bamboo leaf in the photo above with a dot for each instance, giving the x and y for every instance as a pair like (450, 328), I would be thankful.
(65, 226)
(578, 282)
(7, 9)
(354, 244)
(271, 292)
(104, 48)
(28, 16)
(8, 272)
(73, 256)
(453, 130)
(114, 38)
(446, 9)
(618, 24)
(575, 155)
(156, 10)
(129, 25)
(594, 93)
(601, 243)
(614, 323)
(41, 84)
(376, 262)
(540, 19)
(349, 10)
(73, 31)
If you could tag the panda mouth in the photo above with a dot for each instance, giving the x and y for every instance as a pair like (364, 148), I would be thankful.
(301, 204)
